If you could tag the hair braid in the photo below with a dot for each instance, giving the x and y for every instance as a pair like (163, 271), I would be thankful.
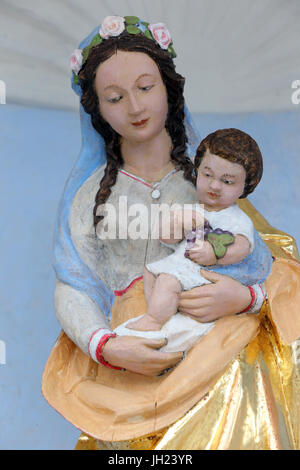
(176, 129)
(114, 162)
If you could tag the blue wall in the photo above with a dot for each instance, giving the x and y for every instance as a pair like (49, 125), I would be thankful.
(38, 148)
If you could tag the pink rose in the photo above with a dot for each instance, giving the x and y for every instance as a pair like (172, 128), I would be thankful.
(112, 26)
(76, 60)
(161, 34)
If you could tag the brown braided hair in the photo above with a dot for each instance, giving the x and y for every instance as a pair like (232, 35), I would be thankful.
(238, 147)
(174, 84)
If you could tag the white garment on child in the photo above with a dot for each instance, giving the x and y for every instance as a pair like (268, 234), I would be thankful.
(181, 331)
(232, 219)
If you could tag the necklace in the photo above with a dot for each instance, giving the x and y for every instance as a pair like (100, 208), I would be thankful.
(155, 194)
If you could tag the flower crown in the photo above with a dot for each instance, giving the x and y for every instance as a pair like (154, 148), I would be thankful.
(113, 26)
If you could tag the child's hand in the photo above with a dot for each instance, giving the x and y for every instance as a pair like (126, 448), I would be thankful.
(180, 223)
(191, 219)
(204, 255)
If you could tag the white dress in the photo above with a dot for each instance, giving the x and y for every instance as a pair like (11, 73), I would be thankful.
(181, 331)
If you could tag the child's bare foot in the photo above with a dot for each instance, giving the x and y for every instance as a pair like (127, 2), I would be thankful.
(146, 323)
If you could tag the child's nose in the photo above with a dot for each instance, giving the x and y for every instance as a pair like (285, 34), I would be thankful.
(215, 184)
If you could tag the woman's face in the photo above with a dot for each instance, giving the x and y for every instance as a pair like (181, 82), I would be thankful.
(132, 96)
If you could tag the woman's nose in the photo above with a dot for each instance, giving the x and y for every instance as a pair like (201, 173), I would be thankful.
(134, 105)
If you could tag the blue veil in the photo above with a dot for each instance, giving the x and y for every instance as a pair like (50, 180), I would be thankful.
(69, 267)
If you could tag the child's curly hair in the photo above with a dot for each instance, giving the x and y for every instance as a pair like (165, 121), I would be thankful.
(237, 147)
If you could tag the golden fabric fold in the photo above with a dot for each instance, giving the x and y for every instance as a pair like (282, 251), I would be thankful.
(116, 405)
(280, 243)
(238, 388)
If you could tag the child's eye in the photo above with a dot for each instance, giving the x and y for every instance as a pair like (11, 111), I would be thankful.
(227, 181)
(207, 174)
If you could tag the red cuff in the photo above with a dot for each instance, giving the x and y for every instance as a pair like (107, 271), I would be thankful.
(252, 299)
(99, 356)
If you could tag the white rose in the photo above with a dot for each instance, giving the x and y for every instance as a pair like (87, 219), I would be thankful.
(112, 26)
(76, 60)
(161, 34)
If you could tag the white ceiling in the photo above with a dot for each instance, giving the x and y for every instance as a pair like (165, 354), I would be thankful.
(237, 55)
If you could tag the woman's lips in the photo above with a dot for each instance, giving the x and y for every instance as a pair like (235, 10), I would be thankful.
(140, 123)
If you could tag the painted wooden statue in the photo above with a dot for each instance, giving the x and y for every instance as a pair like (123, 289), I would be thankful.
(236, 387)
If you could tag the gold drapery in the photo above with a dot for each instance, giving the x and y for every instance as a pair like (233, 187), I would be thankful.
(255, 405)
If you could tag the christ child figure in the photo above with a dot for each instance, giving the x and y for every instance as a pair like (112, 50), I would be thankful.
(228, 164)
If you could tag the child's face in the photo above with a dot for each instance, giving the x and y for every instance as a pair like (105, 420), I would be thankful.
(220, 182)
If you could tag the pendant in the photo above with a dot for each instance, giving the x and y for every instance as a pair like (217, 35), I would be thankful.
(155, 194)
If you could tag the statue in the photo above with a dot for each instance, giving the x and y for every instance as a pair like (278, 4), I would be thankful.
(135, 129)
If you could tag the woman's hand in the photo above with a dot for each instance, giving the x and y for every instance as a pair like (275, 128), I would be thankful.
(225, 296)
(139, 355)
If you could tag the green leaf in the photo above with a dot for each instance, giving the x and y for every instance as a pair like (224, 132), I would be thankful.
(85, 53)
(144, 23)
(96, 40)
(133, 29)
(219, 242)
(148, 34)
(75, 79)
(219, 249)
(131, 20)
(172, 51)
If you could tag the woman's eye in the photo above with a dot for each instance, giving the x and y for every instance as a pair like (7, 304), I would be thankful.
(207, 174)
(146, 88)
(115, 99)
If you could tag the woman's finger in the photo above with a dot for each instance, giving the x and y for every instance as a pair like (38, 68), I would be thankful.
(195, 293)
(169, 361)
(158, 362)
(212, 276)
(194, 303)
(155, 343)
(165, 357)
(206, 290)
(172, 358)
(203, 316)
(159, 369)
(196, 312)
